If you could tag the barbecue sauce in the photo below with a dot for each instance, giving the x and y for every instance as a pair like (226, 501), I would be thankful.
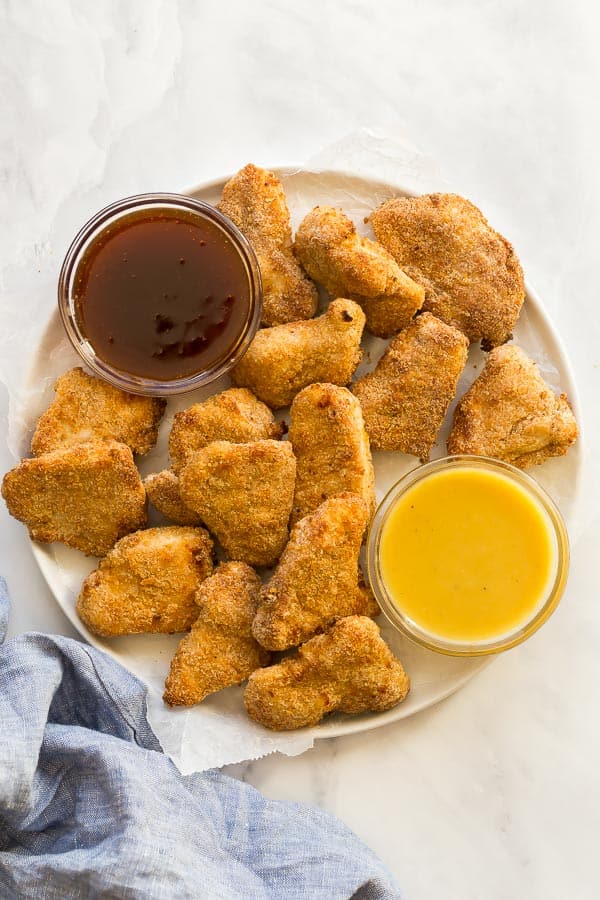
(162, 294)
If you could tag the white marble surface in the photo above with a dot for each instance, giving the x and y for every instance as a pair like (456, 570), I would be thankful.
(495, 793)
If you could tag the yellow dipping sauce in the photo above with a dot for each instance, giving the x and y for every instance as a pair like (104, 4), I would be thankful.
(467, 554)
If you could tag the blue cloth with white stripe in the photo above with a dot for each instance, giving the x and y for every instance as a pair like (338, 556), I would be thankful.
(91, 807)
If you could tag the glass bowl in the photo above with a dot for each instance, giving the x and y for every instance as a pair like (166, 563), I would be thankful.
(403, 623)
(93, 230)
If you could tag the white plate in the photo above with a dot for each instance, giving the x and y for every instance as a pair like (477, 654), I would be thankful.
(433, 676)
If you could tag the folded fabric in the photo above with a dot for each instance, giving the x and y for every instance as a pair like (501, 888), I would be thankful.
(91, 807)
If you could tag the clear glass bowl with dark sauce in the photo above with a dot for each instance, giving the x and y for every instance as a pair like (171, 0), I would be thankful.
(160, 294)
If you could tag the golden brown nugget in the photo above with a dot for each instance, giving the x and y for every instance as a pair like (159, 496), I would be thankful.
(87, 408)
(147, 583)
(471, 274)
(317, 578)
(348, 265)
(234, 415)
(509, 412)
(86, 496)
(331, 446)
(282, 360)
(164, 495)
(349, 669)
(254, 200)
(219, 651)
(243, 493)
(404, 400)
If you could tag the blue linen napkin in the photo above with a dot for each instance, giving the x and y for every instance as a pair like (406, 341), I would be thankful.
(91, 807)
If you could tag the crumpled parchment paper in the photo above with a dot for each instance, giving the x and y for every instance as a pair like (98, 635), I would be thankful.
(218, 732)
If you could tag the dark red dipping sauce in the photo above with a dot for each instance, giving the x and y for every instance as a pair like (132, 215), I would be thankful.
(162, 294)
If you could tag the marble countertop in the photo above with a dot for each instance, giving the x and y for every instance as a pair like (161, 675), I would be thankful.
(494, 793)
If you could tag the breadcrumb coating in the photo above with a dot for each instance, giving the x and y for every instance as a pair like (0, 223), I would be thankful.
(87, 408)
(348, 265)
(471, 274)
(510, 413)
(219, 651)
(147, 583)
(254, 200)
(404, 400)
(331, 446)
(243, 493)
(234, 415)
(317, 578)
(86, 496)
(164, 495)
(282, 360)
(349, 669)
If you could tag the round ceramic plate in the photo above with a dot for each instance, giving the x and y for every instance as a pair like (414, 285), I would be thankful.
(433, 676)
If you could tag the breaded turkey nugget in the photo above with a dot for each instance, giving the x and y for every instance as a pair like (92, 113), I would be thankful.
(317, 578)
(404, 400)
(471, 274)
(350, 669)
(254, 200)
(234, 415)
(331, 446)
(219, 650)
(244, 494)
(510, 413)
(164, 495)
(281, 361)
(87, 408)
(348, 265)
(147, 583)
(86, 496)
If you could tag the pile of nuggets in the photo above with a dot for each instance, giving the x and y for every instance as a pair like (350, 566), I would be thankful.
(436, 279)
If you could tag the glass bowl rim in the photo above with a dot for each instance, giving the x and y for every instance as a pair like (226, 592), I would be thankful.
(91, 230)
(410, 629)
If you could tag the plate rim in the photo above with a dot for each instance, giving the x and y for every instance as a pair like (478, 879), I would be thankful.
(366, 721)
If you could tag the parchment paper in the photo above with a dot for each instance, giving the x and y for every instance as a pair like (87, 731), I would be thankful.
(218, 732)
